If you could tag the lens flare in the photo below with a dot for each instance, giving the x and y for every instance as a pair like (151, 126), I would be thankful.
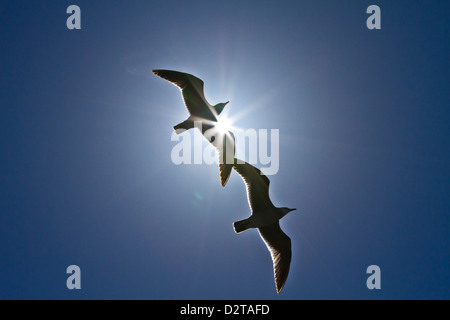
(224, 123)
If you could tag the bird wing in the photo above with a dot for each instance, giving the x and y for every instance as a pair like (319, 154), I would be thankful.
(257, 186)
(224, 143)
(192, 92)
(279, 245)
(226, 151)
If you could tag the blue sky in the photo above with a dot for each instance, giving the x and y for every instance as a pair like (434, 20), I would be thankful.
(87, 178)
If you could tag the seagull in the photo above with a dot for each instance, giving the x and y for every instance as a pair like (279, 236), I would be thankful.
(205, 114)
(265, 216)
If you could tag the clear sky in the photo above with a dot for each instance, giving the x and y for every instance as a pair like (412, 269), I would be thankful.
(85, 148)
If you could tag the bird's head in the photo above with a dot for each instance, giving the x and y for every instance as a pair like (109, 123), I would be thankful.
(285, 211)
(219, 107)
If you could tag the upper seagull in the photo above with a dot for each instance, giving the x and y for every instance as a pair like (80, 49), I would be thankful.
(206, 115)
(265, 216)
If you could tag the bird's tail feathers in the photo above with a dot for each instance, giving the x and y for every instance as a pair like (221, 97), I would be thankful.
(183, 126)
(241, 225)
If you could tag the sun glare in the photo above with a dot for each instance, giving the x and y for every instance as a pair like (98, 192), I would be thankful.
(224, 123)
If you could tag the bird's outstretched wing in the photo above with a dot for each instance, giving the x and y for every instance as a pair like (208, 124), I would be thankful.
(279, 245)
(192, 92)
(257, 186)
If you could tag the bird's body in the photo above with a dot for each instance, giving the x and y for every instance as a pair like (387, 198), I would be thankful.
(258, 219)
(204, 116)
(265, 217)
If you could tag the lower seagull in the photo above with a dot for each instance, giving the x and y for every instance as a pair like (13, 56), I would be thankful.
(265, 216)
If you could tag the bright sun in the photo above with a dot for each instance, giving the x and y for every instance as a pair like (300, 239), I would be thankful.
(224, 123)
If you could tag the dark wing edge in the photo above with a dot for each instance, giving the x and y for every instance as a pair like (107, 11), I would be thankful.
(192, 89)
(279, 245)
(257, 185)
(249, 172)
(180, 79)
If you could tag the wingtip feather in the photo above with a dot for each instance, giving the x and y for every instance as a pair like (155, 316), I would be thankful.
(225, 172)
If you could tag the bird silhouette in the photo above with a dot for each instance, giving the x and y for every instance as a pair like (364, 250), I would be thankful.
(265, 216)
(204, 114)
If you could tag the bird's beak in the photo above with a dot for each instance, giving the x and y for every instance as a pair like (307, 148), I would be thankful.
(293, 209)
(226, 103)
